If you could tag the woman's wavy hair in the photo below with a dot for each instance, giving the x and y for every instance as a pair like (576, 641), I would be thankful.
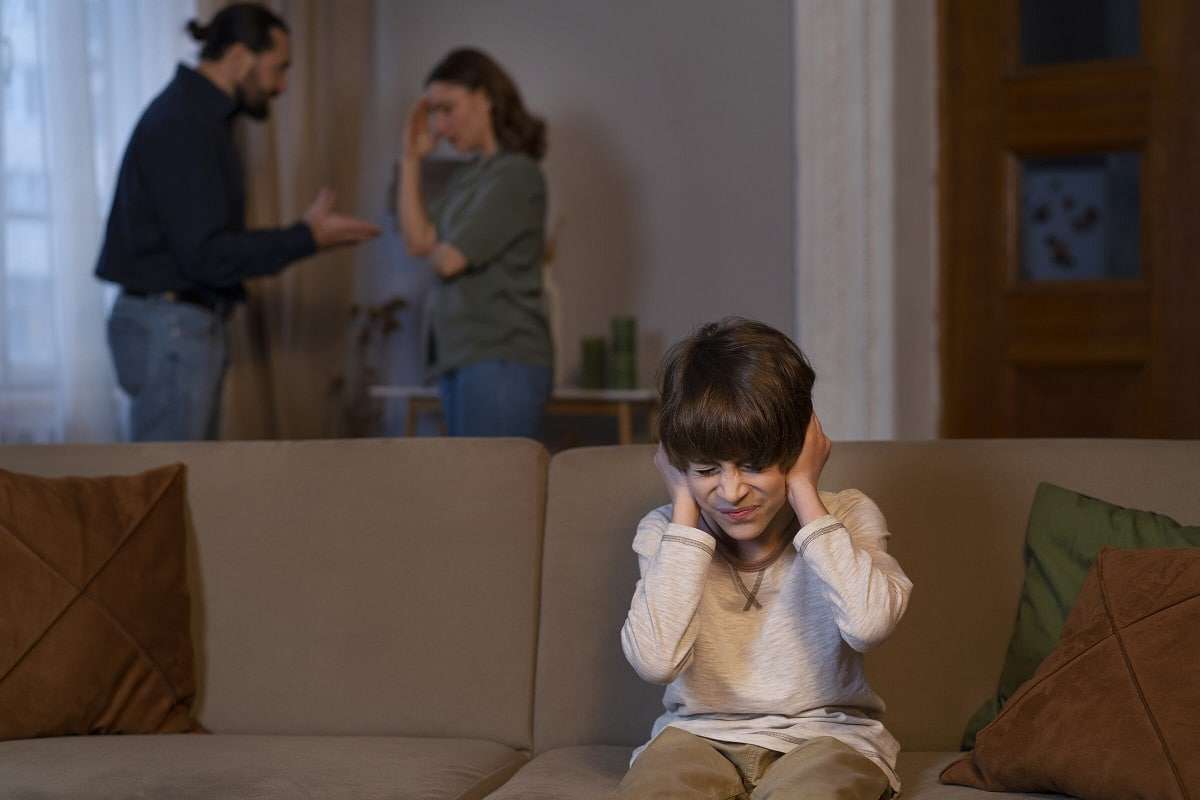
(516, 129)
(735, 390)
(249, 24)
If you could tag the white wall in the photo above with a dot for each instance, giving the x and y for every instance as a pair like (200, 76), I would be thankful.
(670, 158)
(773, 159)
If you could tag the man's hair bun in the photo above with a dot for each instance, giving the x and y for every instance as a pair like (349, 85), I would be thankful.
(248, 24)
(199, 32)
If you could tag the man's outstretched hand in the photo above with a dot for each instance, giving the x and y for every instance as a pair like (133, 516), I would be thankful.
(331, 229)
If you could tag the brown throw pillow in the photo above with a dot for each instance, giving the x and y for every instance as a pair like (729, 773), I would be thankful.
(95, 627)
(1112, 711)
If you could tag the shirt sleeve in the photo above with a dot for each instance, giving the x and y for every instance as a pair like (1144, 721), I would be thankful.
(865, 585)
(660, 630)
(508, 205)
(188, 186)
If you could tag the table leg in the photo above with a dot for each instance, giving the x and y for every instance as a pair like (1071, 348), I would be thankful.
(624, 424)
(410, 417)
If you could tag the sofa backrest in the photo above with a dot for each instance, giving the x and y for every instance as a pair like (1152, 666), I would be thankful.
(957, 511)
(357, 587)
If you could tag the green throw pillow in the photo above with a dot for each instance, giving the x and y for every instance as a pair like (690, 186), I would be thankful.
(1066, 531)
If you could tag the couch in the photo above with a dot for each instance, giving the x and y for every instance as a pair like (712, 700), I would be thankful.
(437, 618)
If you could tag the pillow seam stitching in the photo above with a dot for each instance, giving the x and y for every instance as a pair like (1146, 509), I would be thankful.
(1137, 686)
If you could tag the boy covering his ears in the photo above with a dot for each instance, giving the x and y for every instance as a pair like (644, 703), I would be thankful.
(758, 593)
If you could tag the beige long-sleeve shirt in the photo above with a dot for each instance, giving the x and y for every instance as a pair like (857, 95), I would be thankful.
(774, 657)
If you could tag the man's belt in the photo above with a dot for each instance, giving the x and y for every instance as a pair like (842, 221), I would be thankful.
(188, 296)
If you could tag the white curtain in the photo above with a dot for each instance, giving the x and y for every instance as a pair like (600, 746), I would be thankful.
(76, 76)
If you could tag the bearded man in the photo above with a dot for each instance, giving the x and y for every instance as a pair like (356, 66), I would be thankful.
(176, 240)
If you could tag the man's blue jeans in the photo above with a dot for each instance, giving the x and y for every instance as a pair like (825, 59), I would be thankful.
(495, 398)
(170, 359)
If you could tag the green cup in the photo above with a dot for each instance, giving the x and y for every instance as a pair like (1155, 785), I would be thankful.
(591, 365)
(624, 334)
(622, 371)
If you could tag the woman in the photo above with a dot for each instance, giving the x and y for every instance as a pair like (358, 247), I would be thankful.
(484, 236)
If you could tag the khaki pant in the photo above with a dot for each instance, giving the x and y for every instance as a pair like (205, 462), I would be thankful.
(678, 764)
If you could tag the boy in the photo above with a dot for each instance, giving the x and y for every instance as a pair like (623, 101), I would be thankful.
(758, 594)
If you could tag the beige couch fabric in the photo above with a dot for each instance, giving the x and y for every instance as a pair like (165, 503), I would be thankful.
(366, 587)
(586, 692)
(198, 767)
(569, 773)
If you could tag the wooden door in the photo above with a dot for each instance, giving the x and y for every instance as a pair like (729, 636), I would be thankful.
(1070, 288)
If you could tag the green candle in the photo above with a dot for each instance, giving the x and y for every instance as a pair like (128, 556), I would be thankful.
(624, 334)
(622, 365)
(591, 368)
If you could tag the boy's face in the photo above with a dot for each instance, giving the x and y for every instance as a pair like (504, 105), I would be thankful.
(742, 500)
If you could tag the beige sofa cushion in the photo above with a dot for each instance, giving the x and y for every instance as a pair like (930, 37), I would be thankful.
(259, 767)
(364, 587)
(94, 605)
(569, 773)
(586, 692)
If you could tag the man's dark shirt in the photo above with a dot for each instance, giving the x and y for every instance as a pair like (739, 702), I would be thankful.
(178, 213)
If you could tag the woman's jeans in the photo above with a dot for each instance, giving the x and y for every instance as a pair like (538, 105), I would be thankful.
(495, 398)
(170, 359)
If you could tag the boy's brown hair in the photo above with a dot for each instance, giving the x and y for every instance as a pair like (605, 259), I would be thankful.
(735, 390)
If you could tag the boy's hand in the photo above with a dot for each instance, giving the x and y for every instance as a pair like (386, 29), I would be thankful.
(802, 478)
(684, 511)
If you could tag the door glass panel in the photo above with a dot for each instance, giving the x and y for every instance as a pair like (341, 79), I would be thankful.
(1080, 217)
(1063, 31)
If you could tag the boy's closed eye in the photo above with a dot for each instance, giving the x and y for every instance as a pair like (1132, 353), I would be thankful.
(708, 470)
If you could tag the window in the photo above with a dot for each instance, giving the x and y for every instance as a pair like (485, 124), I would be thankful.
(75, 76)
(27, 354)
(28, 333)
